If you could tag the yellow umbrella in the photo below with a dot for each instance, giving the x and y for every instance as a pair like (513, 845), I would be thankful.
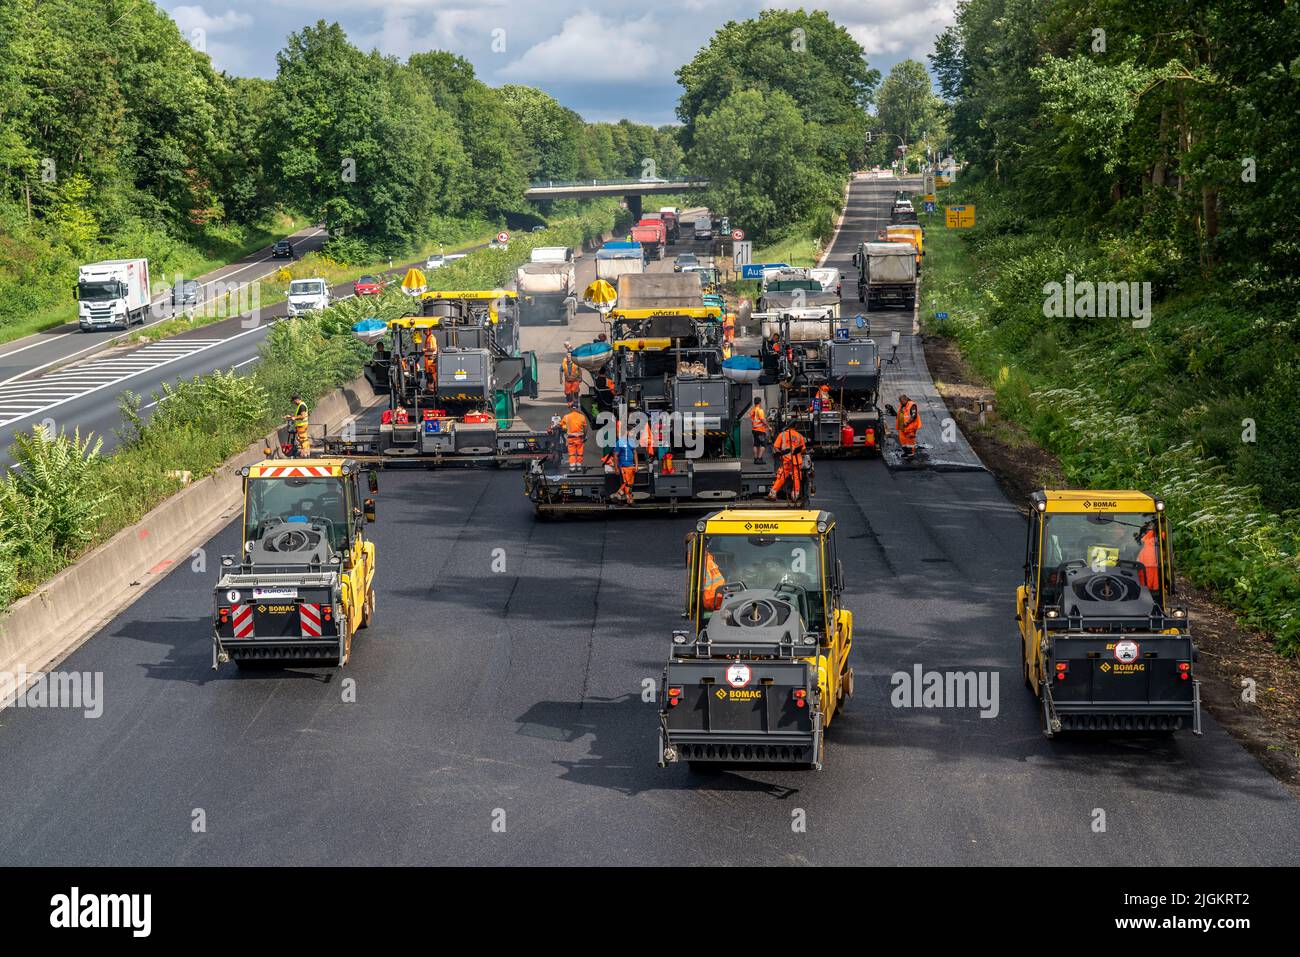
(414, 283)
(600, 295)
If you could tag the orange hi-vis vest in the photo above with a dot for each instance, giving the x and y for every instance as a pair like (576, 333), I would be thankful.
(713, 580)
(570, 370)
(758, 419)
(790, 442)
(574, 424)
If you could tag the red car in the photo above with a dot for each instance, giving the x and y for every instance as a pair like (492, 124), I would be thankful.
(368, 286)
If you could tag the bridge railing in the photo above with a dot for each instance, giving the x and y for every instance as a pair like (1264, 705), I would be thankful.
(630, 181)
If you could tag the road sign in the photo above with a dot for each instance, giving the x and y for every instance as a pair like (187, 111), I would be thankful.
(929, 206)
(737, 234)
(755, 270)
(941, 315)
(503, 237)
(929, 184)
(742, 253)
(959, 217)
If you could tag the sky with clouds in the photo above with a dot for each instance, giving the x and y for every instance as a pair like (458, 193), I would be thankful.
(606, 60)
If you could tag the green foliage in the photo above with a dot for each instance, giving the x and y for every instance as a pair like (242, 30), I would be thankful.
(1165, 409)
(48, 502)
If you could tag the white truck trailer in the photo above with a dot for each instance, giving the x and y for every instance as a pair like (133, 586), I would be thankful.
(112, 293)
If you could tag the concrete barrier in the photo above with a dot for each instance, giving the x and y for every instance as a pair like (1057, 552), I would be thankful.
(43, 628)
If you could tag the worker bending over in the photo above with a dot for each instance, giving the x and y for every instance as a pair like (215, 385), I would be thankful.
(789, 447)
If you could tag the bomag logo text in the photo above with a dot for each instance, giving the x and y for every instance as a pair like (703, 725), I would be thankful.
(762, 527)
(1092, 504)
(739, 694)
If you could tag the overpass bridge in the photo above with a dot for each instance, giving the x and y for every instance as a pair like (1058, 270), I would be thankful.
(631, 190)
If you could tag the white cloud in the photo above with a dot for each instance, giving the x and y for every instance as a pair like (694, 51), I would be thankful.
(192, 18)
(599, 50)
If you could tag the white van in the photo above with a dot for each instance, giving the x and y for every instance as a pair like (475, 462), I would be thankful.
(307, 295)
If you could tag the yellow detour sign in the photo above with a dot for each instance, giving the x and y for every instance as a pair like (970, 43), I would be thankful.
(940, 182)
(959, 217)
(600, 295)
(414, 283)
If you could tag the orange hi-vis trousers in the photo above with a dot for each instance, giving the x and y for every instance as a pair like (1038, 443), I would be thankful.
(577, 447)
(790, 471)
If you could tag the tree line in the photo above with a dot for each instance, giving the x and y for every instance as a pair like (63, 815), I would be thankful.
(773, 114)
(117, 136)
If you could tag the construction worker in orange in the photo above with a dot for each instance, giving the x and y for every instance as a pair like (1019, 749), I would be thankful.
(713, 581)
(821, 400)
(908, 423)
(570, 377)
(1148, 557)
(431, 360)
(574, 426)
(729, 327)
(758, 428)
(790, 447)
(625, 449)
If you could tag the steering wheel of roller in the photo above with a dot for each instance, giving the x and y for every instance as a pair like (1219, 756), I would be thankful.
(289, 540)
(755, 613)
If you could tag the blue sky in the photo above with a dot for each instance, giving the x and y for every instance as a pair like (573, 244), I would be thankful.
(606, 60)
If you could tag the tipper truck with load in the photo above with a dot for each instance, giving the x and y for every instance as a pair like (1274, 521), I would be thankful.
(762, 668)
(304, 581)
(886, 275)
(112, 293)
(547, 287)
(617, 259)
(672, 222)
(653, 237)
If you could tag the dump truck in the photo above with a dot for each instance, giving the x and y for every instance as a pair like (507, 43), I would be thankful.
(454, 376)
(763, 668)
(303, 583)
(663, 370)
(886, 275)
(653, 237)
(806, 349)
(617, 259)
(672, 222)
(548, 291)
(912, 234)
(1104, 644)
(795, 288)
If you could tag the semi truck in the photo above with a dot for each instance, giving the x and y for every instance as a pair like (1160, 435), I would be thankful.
(1104, 643)
(653, 237)
(112, 293)
(762, 669)
(454, 376)
(304, 582)
(886, 275)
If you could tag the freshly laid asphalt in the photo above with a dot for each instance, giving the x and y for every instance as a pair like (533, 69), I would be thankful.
(499, 715)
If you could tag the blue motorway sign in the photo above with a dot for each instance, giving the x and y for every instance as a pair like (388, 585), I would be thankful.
(755, 270)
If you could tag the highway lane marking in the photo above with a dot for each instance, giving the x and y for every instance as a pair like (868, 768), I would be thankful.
(16, 406)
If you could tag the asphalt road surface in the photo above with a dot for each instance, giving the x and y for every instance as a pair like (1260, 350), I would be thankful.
(499, 718)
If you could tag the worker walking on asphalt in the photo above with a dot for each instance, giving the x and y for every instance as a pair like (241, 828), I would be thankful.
(570, 377)
(299, 423)
(790, 446)
(758, 428)
(625, 449)
(907, 423)
(574, 426)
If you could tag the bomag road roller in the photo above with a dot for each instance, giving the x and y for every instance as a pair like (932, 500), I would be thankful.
(304, 580)
(1103, 644)
(763, 667)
